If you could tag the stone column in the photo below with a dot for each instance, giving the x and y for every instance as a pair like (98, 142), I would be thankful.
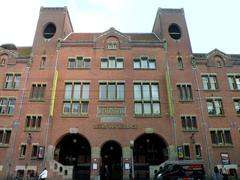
(126, 159)
(95, 163)
(172, 152)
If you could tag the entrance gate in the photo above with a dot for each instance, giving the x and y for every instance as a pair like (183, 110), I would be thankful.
(74, 150)
(111, 168)
(148, 150)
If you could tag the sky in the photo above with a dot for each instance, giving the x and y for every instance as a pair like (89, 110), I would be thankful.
(211, 23)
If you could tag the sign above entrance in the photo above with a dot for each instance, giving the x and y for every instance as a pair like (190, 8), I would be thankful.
(111, 113)
(115, 126)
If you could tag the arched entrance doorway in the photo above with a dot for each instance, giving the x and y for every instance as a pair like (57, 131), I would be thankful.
(111, 154)
(74, 150)
(148, 150)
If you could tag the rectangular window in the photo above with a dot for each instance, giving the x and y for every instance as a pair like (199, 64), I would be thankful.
(237, 105)
(34, 151)
(12, 81)
(184, 92)
(7, 105)
(189, 123)
(76, 98)
(234, 82)
(112, 62)
(79, 62)
(5, 135)
(38, 91)
(186, 151)
(23, 150)
(215, 107)
(43, 62)
(111, 91)
(198, 151)
(33, 122)
(209, 82)
(144, 63)
(179, 63)
(221, 137)
(146, 98)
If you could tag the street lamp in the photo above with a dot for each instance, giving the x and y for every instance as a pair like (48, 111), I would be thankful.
(132, 146)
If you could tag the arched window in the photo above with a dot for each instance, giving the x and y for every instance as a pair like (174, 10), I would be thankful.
(179, 62)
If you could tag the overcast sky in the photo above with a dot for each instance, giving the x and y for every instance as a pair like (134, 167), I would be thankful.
(211, 23)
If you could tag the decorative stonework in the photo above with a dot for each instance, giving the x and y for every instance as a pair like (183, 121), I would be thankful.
(111, 114)
(115, 126)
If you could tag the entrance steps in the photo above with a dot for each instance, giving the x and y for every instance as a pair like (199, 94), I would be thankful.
(60, 170)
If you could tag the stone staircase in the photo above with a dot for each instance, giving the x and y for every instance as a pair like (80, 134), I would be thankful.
(63, 172)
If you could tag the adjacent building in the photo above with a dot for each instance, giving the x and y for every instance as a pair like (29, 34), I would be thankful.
(83, 104)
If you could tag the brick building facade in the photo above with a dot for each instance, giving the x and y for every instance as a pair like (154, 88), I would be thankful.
(78, 102)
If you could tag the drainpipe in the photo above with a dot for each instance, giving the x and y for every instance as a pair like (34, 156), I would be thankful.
(15, 125)
(170, 96)
(203, 123)
(51, 107)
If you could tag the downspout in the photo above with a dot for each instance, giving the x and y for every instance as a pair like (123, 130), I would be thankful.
(170, 99)
(15, 125)
(51, 107)
(204, 123)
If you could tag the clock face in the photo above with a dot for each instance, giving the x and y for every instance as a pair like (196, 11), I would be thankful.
(174, 31)
(49, 31)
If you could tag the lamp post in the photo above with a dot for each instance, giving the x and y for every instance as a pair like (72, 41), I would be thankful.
(132, 146)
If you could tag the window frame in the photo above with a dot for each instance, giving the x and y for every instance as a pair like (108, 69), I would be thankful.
(198, 151)
(29, 122)
(146, 59)
(7, 106)
(212, 101)
(186, 156)
(34, 150)
(13, 83)
(215, 134)
(38, 91)
(105, 91)
(43, 62)
(236, 105)
(185, 122)
(184, 91)
(23, 151)
(83, 100)
(143, 102)
(79, 62)
(112, 60)
(234, 85)
(180, 65)
(5, 137)
(207, 83)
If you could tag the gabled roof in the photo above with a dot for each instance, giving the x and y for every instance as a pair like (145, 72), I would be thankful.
(229, 59)
(131, 37)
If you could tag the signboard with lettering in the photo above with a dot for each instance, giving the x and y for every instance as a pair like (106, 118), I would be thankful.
(111, 113)
(225, 158)
(180, 152)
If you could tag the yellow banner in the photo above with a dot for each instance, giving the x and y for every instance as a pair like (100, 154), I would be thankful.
(170, 108)
(53, 92)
